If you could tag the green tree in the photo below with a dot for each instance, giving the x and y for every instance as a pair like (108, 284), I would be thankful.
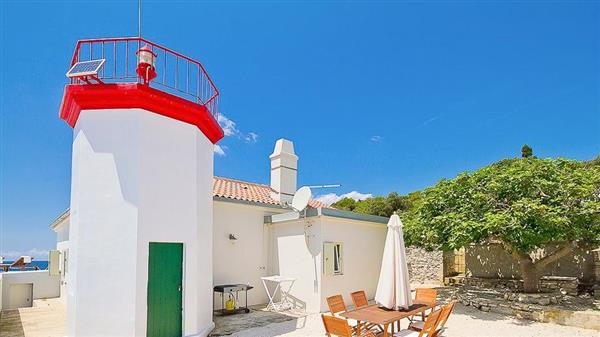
(374, 206)
(346, 204)
(523, 204)
(526, 151)
(593, 162)
(397, 203)
(382, 206)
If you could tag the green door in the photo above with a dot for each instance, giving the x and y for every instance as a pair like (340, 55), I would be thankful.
(164, 290)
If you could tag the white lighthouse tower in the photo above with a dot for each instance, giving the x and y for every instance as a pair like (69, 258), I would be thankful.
(144, 127)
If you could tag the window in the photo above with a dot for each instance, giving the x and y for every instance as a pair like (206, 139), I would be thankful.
(337, 259)
(54, 262)
(333, 258)
(57, 262)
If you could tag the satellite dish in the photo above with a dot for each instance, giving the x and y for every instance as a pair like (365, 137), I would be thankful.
(301, 198)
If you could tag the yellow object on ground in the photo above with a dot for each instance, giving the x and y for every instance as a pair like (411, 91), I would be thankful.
(230, 304)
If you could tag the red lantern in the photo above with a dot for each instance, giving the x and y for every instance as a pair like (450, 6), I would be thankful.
(146, 61)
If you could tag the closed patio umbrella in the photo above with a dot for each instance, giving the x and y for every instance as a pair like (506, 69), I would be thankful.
(393, 288)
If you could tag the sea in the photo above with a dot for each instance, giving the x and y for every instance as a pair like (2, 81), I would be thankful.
(43, 265)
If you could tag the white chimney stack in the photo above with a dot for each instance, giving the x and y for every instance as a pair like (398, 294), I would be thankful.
(284, 170)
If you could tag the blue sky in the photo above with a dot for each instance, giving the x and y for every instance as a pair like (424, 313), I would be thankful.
(378, 97)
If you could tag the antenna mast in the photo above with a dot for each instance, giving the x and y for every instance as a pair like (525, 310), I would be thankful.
(139, 18)
(325, 186)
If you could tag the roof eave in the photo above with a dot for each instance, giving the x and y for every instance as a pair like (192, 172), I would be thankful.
(329, 212)
(247, 202)
(60, 219)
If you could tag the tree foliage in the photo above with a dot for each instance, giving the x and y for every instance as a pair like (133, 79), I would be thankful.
(526, 151)
(346, 204)
(380, 205)
(523, 203)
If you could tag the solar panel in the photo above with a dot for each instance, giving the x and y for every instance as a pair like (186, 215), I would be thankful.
(85, 68)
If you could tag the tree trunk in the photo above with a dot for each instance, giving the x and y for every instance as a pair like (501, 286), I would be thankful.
(533, 271)
(531, 276)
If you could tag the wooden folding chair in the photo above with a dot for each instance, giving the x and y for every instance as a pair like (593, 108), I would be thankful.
(426, 296)
(444, 315)
(336, 326)
(336, 304)
(429, 327)
(359, 300)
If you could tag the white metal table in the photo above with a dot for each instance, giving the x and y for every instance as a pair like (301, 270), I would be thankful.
(280, 281)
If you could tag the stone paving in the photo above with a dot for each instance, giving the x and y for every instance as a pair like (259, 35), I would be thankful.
(49, 321)
(257, 317)
(46, 319)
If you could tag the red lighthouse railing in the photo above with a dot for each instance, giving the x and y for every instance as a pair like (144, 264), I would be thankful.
(177, 74)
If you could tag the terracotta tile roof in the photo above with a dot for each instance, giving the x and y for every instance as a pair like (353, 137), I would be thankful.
(245, 191)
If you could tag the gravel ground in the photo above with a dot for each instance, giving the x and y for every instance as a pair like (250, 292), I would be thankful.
(464, 322)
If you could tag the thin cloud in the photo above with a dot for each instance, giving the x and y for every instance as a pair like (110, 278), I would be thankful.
(230, 129)
(430, 120)
(376, 139)
(251, 137)
(36, 253)
(227, 125)
(331, 198)
(220, 150)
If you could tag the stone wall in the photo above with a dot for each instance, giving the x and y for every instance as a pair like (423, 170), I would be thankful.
(425, 267)
(564, 285)
(579, 311)
(492, 261)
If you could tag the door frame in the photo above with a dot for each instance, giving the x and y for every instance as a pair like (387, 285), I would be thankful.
(183, 280)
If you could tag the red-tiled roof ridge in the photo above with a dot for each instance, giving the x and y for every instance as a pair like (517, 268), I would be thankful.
(254, 192)
(243, 182)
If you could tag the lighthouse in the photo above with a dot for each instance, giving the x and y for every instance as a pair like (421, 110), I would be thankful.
(144, 127)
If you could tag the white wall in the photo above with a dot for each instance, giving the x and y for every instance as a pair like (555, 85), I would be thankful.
(175, 198)
(103, 223)
(62, 231)
(137, 177)
(295, 251)
(44, 285)
(363, 244)
(245, 259)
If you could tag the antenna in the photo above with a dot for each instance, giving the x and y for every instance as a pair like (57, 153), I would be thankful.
(139, 18)
(325, 186)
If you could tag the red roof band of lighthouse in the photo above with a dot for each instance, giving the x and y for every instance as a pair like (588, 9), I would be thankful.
(125, 73)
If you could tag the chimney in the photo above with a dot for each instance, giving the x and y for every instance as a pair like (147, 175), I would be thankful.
(284, 169)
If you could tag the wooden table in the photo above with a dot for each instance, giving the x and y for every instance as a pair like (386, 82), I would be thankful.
(382, 316)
